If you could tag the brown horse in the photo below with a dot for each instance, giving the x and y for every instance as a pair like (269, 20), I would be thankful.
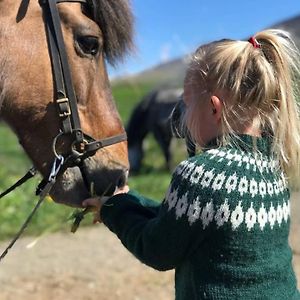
(92, 34)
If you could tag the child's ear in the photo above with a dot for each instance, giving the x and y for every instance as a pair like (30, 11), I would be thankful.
(216, 107)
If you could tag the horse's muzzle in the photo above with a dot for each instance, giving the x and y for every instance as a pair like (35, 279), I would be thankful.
(73, 187)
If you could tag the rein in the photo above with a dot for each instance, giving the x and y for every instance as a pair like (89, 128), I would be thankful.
(31, 173)
(50, 182)
(83, 146)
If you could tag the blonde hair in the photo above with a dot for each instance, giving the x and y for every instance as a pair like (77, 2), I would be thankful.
(261, 80)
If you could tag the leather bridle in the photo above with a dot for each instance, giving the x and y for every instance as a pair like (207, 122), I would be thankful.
(82, 145)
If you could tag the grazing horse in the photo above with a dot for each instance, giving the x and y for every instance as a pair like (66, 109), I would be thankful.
(93, 31)
(152, 115)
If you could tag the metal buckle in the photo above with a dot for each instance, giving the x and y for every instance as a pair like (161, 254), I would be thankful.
(64, 107)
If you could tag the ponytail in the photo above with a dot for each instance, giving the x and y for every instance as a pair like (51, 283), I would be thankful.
(282, 54)
(262, 76)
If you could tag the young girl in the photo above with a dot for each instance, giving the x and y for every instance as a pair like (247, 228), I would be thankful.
(224, 222)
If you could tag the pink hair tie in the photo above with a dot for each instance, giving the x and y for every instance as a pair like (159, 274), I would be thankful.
(254, 42)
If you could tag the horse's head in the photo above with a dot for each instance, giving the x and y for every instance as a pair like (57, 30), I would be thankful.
(94, 32)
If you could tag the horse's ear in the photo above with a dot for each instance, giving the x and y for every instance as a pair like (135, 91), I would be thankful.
(115, 19)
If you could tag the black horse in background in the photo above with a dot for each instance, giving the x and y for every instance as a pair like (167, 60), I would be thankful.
(152, 115)
(159, 112)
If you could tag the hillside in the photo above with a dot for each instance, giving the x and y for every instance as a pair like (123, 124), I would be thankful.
(169, 73)
(293, 26)
(172, 72)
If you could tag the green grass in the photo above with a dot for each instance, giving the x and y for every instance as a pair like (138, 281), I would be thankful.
(14, 208)
(127, 95)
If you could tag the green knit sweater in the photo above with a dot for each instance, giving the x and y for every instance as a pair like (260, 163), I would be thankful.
(223, 225)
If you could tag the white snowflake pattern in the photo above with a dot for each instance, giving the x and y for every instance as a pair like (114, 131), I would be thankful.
(285, 212)
(270, 188)
(238, 158)
(182, 206)
(270, 165)
(259, 165)
(207, 178)
(194, 211)
(243, 186)
(181, 167)
(197, 174)
(213, 153)
(274, 165)
(231, 183)
(172, 199)
(221, 154)
(262, 189)
(218, 182)
(246, 160)
(272, 216)
(229, 157)
(276, 187)
(256, 161)
(262, 217)
(280, 185)
(289, 207)
(253, 188)
(188, 170)
(279, 214)
(250, 217)
(284, 181)
(265, 166)
(222, 214)
(207, 214)
(252, 162)
(237, 216)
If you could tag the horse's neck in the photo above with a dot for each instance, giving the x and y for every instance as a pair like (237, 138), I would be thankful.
(3, 88)
(1, 102)
(137, 129)
(137, 126)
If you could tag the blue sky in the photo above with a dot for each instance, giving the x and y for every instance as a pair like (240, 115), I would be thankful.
(166, 29)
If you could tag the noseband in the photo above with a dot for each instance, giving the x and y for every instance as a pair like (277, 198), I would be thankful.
(83, 145)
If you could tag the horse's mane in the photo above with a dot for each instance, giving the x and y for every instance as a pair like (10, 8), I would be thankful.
(116, 22)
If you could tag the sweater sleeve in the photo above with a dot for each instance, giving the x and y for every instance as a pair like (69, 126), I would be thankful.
(162, 239)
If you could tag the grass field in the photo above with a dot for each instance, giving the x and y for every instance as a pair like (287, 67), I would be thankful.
(14, 208)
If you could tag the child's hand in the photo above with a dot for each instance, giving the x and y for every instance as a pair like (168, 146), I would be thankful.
(97, 202)
(122, 190)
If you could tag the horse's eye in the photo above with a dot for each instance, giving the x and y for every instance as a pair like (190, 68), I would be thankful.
(88, 44)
